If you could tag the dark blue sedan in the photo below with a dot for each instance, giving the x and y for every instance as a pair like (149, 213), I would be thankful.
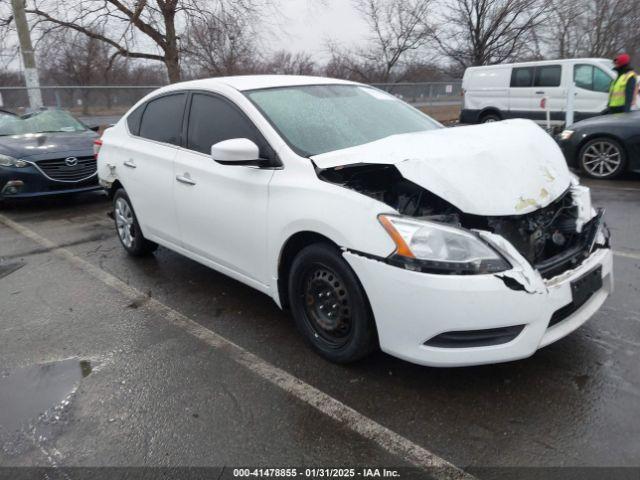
(47, 152)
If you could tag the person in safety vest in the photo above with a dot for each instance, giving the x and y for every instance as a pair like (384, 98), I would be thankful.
(623, 92)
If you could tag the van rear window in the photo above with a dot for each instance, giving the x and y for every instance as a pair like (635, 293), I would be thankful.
(522, 77)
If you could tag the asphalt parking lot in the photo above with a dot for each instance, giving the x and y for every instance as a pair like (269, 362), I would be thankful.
(106, 360)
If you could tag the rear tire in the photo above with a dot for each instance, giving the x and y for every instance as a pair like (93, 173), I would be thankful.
(329, 305)
(602, 158)
(490, 118)
(128, 228)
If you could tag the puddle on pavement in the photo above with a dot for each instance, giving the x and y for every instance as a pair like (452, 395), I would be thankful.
(38, 397)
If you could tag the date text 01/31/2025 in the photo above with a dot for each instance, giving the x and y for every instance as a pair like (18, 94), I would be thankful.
(316, 472)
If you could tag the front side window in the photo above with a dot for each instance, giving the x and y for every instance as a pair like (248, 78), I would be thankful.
(162, 119)
(548, 76)
(522, 77)
(213, 119)
(591, 78)
(315, 119)
(601, 81)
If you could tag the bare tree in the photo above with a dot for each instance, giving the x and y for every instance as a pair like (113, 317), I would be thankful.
(9, 49)
(483, 32)
(594, 28)
(610, 26)
(287, 63)
(221, 44)
(562, 32)
(398, 29)
(163, 22)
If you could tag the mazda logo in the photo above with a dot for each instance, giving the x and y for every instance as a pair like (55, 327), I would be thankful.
(71, 161)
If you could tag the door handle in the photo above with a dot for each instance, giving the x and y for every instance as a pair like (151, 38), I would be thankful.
(129, 163)
(540, 93)
(185, 179)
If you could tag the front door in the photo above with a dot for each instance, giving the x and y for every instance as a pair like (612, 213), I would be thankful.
(592, 90)
(222, 209)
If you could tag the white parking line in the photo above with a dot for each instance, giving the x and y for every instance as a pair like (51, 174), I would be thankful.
(333, 408)
(635, 256)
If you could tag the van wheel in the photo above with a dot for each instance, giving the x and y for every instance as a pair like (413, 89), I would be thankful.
(490, 118)
(602, 158)
(128, 228)
(329, 305)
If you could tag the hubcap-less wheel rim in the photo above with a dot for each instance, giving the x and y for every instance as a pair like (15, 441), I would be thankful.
(601, 159)
(326, 305)
(124, 222)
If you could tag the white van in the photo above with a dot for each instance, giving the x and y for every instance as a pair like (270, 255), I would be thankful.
(516, 90)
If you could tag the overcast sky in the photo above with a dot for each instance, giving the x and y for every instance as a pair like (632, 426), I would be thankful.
(307, 25)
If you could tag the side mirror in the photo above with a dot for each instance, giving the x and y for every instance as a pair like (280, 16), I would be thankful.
(237, 151)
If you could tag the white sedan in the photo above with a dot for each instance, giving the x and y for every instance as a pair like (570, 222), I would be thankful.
(374, 225)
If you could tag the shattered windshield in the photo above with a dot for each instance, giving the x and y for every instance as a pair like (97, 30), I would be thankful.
(45, 121)
(316, 119)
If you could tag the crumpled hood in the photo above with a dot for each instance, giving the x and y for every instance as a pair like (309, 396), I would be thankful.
(504, 168)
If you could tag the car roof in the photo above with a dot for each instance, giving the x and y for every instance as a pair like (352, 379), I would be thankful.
(254, 82)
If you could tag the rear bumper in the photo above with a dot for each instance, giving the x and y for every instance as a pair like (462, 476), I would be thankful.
(410, 308)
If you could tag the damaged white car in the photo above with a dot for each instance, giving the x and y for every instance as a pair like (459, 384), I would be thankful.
(373, 224)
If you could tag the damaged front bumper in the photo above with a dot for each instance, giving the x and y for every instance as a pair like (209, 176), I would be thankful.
(460, 320)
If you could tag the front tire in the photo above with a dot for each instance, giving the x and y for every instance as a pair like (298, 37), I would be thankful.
(602, 158)
(329, 305)
(128, 228)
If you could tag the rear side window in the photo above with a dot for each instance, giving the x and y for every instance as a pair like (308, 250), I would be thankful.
(548, 76)
(134, 118)
(162, 119)
(591, 78)
(522, 77)
(213, 119)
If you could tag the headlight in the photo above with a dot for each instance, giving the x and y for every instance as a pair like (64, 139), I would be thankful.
(438, 248)
(7, 161)
(566, 135)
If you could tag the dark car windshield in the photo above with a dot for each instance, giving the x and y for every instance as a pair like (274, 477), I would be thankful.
(316, 119)
(40, 122)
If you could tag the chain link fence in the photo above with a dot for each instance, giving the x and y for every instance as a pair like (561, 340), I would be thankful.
(427, 93)
(105, 104)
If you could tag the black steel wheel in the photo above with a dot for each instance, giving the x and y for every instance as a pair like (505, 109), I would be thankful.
(329, 305)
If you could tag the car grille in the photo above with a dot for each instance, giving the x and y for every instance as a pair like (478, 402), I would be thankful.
(58, 169)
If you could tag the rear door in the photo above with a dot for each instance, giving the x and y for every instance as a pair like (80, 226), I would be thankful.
(522, 92)
(592, 90)
(146, 168)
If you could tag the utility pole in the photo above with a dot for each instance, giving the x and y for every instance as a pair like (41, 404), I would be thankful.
(28, 55)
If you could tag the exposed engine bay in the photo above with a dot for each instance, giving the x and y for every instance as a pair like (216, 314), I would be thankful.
(552, 239)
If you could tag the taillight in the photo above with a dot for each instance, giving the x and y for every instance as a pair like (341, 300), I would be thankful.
(96, 147)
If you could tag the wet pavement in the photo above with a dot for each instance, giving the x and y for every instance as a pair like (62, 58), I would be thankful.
(150, 393)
